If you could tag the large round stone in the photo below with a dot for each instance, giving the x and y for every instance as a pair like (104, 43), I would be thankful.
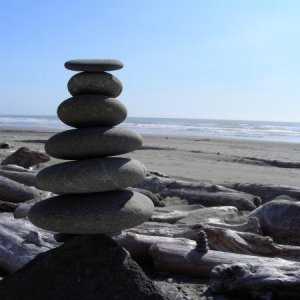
(93, 65)
(95, 83)
(91, 175)
(91, 110)
(92, 142)
(92, 213)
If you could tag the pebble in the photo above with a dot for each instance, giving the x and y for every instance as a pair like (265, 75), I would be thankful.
(92, 142)
(91, 175)
(91, 110)
(93, 65)
(95, 83)
(92, 213)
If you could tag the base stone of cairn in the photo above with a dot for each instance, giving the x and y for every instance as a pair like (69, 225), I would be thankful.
(86, 267)
(93, 201)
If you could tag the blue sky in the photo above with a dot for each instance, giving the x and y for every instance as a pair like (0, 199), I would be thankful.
(235, 59)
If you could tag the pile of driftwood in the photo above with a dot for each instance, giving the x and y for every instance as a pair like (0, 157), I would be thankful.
(245, 238)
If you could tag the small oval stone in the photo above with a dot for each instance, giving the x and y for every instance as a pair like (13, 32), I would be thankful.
(95, 83)
(107, 212)
(91, 175)
(93, 65)
(92, 142)
(91, 110)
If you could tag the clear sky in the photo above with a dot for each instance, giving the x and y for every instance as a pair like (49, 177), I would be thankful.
(224, 59)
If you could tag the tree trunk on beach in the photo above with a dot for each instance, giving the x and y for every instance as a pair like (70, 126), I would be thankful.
(200, 193)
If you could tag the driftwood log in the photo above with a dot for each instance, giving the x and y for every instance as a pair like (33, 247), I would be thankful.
(12, 191)
(200, 193)
(27, 178)
(280, 219)
(185, 259)
(227, 240)
(261, 281)
(266, 192)
(20, 242)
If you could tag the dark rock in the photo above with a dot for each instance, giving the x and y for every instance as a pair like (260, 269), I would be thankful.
(91, 111)
(95, 83)
(4, 145)
(7, 206)
(93, 65)
(92, 142)
(88, 267)
(91, 175)
(26, 158)
(92, 213)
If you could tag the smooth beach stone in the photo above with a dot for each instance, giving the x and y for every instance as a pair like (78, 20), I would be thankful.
(107, 212)
(95, 83)
(91, 175)
(92, 142)
(93, 65)
(91, 110)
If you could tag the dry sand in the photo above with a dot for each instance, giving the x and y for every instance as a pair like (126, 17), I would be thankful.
(196, 159)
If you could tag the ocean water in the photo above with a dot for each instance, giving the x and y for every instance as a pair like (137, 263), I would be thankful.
(251, 130)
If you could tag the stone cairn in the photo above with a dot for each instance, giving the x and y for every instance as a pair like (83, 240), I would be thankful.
(92, 187)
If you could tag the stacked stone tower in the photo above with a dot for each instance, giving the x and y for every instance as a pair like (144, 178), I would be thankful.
(91, 186)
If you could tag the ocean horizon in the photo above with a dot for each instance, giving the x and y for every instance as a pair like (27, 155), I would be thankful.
(239, 129)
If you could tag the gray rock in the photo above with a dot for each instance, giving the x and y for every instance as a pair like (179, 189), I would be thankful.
(91, 111)
(91, 175)
(93, 65)
(280, 220)
(88, 267)
(12, 191)
(92, 142)
(95, 83)
(26, 158)
(91, 213)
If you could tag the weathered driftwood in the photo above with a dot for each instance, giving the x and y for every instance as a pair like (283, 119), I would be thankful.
(27, 178)
(166, 230)
(252, 225)
(22, 209)
(200, 193)
(12, 191)
(227, 240)
(280, 220)
(20, 241)
(202, 215)
(185, 259)
(11, 167)
(261, 281)
(266, 192)
(138, 245)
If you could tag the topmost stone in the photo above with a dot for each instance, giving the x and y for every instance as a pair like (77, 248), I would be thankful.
(93, 65)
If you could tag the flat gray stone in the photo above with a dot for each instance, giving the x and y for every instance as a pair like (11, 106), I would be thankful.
(95, 83)
(93, 65)
(92, 142)
(91, 110)
(91, 175)
(92, 213)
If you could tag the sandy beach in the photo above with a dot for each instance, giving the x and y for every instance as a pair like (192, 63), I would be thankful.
(211, 160)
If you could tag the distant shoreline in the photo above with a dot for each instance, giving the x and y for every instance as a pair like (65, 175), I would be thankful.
(237, 130)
